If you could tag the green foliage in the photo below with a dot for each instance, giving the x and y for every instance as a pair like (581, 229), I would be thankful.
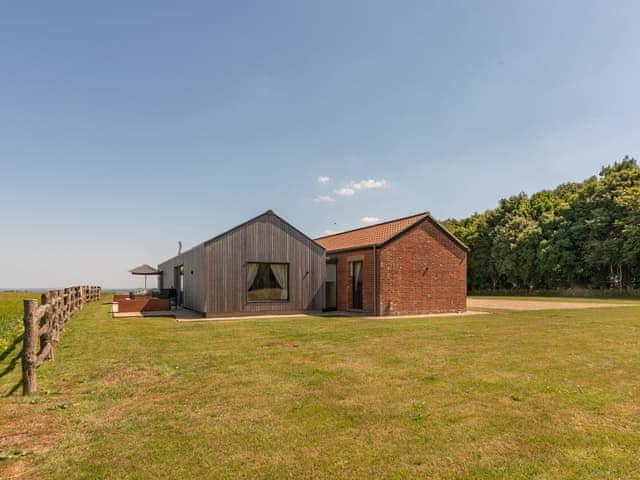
(579, 235)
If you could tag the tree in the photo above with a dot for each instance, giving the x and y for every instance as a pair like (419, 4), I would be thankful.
(579, 234)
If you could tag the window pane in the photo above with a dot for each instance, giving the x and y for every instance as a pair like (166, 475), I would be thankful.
(267, 281)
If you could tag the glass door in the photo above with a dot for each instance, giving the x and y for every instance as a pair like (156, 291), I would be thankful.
(356, 285)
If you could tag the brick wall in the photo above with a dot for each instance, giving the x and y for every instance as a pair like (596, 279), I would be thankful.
(422, 271)
(343, 279)
(143, 305)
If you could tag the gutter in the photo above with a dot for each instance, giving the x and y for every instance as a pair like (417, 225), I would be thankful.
(375, 282)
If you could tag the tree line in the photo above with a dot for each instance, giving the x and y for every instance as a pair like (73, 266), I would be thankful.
(584, 234)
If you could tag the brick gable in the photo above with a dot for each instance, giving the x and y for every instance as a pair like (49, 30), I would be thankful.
(423, 269)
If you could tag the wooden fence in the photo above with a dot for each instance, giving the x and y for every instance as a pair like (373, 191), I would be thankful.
(43, 325)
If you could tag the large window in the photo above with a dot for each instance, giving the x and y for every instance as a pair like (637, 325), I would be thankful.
(267, 281)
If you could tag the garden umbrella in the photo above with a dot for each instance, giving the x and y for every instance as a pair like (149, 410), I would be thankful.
(145, 270)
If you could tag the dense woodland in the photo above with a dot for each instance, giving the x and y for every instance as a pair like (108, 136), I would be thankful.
(578, 235)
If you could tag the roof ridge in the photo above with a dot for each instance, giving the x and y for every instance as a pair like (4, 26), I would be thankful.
(422, 214)
(240, 225)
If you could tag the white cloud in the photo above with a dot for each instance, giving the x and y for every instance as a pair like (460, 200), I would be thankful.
(328, 232)
(369, 219)
(324, 198)
(324, 180)
(369, 184)
(345, 192)
(354, 187)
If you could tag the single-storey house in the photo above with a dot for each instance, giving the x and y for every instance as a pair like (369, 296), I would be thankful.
(264, 265)
(408, 266)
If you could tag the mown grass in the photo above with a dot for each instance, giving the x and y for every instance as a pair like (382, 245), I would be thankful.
(545, 395)
(614, 300)
(11, 310)
(11, 316)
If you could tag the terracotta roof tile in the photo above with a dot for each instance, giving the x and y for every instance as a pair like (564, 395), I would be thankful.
(367, 236)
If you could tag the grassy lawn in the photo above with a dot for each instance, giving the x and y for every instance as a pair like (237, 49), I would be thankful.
(11, 310)
(620, 300)
(543, 395)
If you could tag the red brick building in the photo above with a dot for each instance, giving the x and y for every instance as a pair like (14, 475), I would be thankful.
(408, 266)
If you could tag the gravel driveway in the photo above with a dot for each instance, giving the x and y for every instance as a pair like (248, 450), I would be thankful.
(478, 303)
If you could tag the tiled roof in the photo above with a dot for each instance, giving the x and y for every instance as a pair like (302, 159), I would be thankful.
(367, 236)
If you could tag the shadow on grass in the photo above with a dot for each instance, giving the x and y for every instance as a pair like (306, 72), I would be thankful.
(14, 388)
(12, 363)
(11, 348)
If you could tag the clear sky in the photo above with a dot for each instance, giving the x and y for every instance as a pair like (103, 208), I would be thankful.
(127, 126)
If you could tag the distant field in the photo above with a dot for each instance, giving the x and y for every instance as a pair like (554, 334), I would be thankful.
(503, 395)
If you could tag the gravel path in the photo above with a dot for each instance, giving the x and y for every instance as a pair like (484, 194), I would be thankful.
(507, 304)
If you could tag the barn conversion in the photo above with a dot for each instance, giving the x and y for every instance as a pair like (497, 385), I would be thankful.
(264, 265)
(408, 266)
(412, 265)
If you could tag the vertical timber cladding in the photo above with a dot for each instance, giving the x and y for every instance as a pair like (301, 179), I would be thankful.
(194, 276)
(266, 238)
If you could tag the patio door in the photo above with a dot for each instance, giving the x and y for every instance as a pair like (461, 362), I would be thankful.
(356, 285)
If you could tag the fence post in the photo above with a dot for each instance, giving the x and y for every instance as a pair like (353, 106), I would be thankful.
(30, 348)
(57, 309)
(47, 325)
(43, 325)
(66, 309)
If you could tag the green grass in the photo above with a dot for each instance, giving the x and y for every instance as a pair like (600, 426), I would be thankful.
(542, 395)
(616, 300)
(11, 309)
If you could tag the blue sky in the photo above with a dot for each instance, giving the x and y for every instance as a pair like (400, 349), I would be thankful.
(127, 126)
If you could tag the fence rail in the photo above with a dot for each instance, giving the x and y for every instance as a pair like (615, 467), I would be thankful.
(43, 325)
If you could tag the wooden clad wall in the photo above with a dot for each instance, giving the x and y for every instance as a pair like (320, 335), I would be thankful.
(194, 276)
(264, 239)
